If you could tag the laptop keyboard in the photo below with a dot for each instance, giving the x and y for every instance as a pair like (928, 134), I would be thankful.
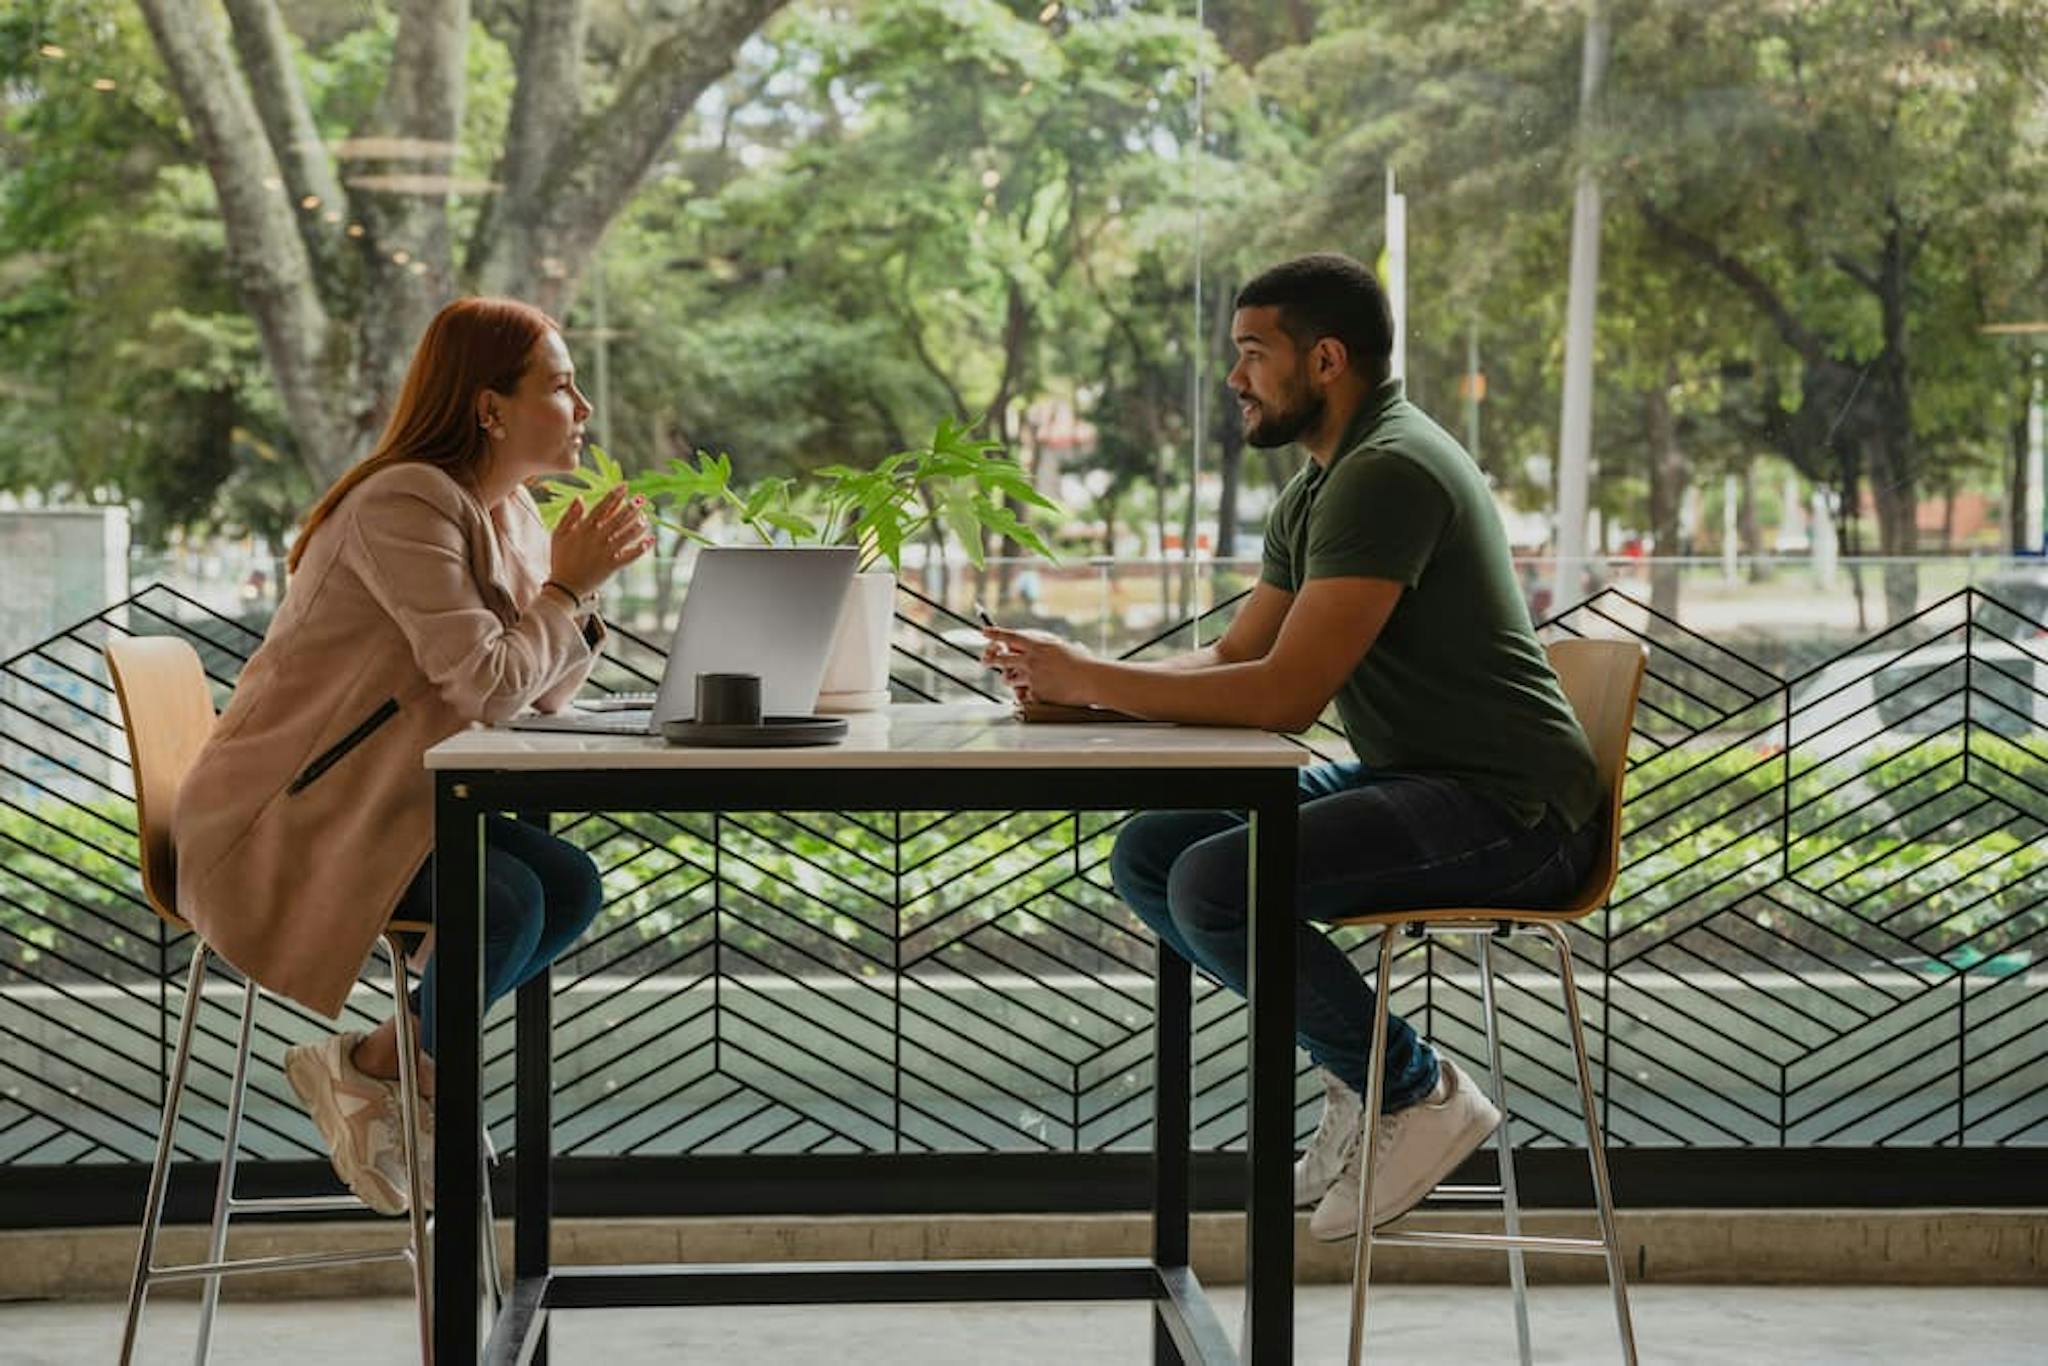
(617, 701)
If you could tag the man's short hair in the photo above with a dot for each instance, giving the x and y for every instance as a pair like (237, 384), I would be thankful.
(1327, 294)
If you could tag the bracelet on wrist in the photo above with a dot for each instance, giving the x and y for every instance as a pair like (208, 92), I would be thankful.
(578, 602)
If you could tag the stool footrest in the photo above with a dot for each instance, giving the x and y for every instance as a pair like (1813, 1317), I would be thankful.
(1468, 1193)
(1499, 1241)
(245, 1266)
(300, 1204)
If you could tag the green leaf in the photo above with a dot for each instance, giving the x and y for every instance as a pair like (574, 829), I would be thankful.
(583, 485)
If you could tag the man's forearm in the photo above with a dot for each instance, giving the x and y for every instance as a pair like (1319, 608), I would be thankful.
(1216, 693)
(1201, 657)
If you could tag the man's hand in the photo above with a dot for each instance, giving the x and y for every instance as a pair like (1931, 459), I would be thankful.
(1038, 666)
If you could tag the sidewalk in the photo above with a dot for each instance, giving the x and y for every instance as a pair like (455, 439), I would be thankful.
(1412, 1325)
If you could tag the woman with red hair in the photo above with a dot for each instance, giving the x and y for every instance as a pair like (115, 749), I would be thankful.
(425, 596)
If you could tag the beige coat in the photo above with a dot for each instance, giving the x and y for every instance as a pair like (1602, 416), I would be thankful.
(414, 613)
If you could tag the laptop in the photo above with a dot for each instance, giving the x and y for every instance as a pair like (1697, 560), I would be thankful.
(767, 610)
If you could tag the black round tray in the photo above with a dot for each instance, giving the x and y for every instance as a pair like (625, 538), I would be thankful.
(774, 732)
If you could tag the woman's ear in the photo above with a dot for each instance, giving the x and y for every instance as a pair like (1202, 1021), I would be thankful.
(486, 412)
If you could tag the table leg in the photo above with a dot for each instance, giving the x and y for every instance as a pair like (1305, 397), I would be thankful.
(1172, 1052)
(533, 1202)
(1269, 1220)
(533, 1126)
(458, 1098)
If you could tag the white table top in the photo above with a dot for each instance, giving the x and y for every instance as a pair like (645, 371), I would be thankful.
(953, 736)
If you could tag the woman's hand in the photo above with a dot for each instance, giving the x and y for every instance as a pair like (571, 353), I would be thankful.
(589, 547)
(1038, 666)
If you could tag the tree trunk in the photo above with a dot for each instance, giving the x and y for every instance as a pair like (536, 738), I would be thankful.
(2017, 494)
(1848, 535)
(267, 258)
(546, 224)
(265, 49)
(1159, 522)
(566, 174)
(408, 258)
(1229, 430)
(937, 556)
(1749, 533)
(1895, 465)
(1897, 541)
(1667, 485)
(1230, 468)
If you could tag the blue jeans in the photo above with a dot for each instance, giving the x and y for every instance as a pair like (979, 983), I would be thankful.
(1368, 841)
(540, 894)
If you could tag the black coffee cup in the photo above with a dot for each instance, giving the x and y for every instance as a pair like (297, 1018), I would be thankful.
(728, 699)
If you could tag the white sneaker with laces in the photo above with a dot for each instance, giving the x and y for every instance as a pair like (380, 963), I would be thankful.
(356, 1114)
(1335, 1138)
(391, 1160)
(1418, 1147)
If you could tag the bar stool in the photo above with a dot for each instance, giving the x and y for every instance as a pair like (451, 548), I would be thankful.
(1602, 679)
(168, 714)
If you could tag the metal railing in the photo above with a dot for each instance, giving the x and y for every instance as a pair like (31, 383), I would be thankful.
(1827, 932)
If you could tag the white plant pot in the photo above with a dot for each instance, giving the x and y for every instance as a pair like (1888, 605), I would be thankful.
(857, 671)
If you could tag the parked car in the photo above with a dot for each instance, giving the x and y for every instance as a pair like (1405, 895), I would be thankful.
(1920, 690)
(2024, 589)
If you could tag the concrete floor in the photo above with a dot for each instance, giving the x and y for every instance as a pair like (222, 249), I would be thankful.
(1679, 1325)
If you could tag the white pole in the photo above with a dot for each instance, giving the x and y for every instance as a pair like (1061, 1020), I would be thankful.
(1823, 537)
(1576, 436)
(1397, 275)
(1789, 530)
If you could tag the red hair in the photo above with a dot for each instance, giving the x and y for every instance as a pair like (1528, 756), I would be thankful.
(471, 345)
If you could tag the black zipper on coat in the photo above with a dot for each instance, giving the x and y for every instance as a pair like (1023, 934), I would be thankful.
(337, 751)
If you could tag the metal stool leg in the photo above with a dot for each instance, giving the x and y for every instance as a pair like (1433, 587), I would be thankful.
(224, 1189)
(160, 1171)
(1511, 1208)
(409, 1140)
(1375, 1080)
(1596, 1151)
(494, 1275)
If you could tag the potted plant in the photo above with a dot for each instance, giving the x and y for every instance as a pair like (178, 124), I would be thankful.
(962, 485)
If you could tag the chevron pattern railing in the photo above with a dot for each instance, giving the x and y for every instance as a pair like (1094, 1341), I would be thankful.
(1828, 931)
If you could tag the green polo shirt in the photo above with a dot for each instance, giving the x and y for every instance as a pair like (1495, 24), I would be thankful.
(1457, 683)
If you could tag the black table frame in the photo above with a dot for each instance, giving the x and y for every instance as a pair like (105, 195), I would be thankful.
(1185, 1328)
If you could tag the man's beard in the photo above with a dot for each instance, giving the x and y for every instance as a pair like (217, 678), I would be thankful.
(1279, 427)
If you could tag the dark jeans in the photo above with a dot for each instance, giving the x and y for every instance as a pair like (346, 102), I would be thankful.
(540, 894)
(1369, 841)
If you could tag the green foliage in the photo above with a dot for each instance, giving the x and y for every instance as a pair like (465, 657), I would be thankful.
(1886, 833)
(904, 208)
(73, 901)
(955, 482)
(1965, 891)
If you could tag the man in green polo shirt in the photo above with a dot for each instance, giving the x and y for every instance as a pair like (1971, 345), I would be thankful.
(1386, 587)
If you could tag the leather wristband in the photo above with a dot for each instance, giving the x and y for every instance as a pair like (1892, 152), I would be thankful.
(578, 602)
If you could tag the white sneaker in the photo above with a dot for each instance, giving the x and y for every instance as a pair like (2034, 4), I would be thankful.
(1335, 1139)
(357, 1115)
(1418, 1147)
(391, 1160)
